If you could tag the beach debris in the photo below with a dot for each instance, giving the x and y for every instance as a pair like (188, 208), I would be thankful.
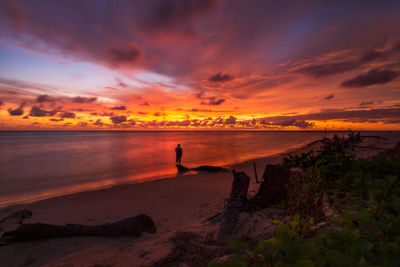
(132, 226)
(214, 219)
(191, 249)
(234, 204)
(12, 221)
(206, 168)
(259, 224)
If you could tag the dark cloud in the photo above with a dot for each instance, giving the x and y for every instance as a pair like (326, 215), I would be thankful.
(374, 76)
(342, 114)
(98, 123)
(327, 69)
(391, 122)
(145, 104)
(329, 97)
(81, 99)
(124, 56)
(39, 112)
(44, 98)
(213, 101)
(16, 112)
(118, 119)
(53, 119)
(367, 103)
(1, 103)
(297, 123)
(157, 114)
(131, 122)
(82, 124)
(176, 14)
(230, 121)
(199, 110)
(69, 115)
(104, 114)
(119, 108)
(219, 77)
(322, 70)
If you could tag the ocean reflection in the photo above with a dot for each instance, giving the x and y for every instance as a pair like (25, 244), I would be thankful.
(37, 165)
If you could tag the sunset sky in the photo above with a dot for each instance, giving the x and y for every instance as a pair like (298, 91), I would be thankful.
(185, 64)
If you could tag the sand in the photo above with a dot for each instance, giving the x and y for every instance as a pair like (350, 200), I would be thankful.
(179, 203)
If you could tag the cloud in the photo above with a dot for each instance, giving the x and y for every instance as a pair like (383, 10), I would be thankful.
(329, 97)
(374, 76)
(53, 119)
(302, 124)
(69, 115)
(231, 120)
(39, 112)
(16, 112)
(119, 108)
(81, 99)
(319, 70)
(175, 15)
(118, 119)
(98, 123)
(44, 98)
(342, 114)
(213, 101)
(219, 77)
(366, 103)
(1, 103)
(124, 56)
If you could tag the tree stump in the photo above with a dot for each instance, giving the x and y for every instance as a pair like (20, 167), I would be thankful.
(234, 204)
(273, 188)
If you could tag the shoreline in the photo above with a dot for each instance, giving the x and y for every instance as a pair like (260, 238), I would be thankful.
(108, 184)
(179, 203)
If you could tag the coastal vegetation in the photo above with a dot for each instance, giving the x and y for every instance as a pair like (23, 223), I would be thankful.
(345, 212)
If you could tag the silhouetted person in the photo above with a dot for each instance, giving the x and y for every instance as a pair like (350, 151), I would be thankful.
(178, 151)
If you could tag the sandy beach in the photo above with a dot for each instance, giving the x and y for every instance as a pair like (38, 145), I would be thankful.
(179, 203)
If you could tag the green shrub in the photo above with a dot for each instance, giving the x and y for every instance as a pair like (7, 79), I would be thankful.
(367, 235)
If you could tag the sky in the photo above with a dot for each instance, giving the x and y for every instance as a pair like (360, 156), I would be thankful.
(204, 64)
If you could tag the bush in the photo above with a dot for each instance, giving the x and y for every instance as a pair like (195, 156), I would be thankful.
(367, 235)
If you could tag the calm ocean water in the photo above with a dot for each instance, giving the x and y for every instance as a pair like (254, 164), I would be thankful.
(38, 165)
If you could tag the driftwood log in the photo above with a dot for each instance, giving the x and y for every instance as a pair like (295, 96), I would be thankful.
(132, 226)
(234, 204)
(14, 218)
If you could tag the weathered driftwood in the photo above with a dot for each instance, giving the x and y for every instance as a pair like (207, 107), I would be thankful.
(14, 219)
(234, 204)
(273, 188)
(132, 226)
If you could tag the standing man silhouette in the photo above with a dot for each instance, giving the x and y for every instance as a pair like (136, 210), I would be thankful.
(178, 151)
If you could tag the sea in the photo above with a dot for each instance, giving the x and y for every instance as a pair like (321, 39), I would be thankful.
(37, 165)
